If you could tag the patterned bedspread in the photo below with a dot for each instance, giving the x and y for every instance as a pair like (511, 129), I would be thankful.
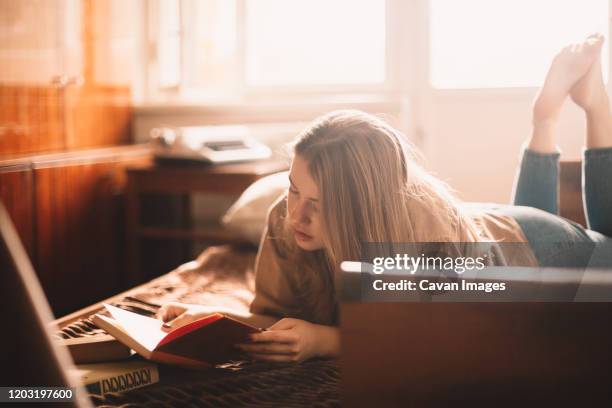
(221, 275)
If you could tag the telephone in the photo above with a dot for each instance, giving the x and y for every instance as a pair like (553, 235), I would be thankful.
(212, 144)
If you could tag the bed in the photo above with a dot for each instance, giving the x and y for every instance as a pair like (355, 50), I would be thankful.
(221, 275)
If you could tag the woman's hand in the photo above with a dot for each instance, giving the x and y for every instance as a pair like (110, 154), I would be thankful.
(293, 340)
(179, 314)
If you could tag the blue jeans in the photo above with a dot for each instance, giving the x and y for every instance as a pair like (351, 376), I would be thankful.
(557, 241)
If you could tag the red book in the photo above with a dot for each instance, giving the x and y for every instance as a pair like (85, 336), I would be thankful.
(203, 342)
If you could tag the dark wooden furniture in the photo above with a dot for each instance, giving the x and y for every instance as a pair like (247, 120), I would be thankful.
(181, 181)
(68, 209)
(65, 130)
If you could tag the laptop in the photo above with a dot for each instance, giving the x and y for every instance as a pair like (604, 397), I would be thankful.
(531, 349)
(29, 356)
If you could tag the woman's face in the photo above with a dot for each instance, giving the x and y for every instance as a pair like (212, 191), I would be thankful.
(304, 207)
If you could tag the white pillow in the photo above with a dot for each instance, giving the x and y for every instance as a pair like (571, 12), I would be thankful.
(247, 216)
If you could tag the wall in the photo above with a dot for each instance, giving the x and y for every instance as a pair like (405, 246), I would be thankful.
(473, 140)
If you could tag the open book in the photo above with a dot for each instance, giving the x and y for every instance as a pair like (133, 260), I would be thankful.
(203, 342)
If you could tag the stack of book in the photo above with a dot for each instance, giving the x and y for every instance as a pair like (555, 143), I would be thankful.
(119, 376)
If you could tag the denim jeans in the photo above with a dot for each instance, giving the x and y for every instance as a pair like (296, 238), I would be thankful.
(555, 240)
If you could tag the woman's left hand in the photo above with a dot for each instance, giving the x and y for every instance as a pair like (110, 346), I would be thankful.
(293, 340)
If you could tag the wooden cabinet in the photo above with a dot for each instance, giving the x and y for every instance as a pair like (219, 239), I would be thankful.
(41, 51)
(97, 116)
(69, 212)
(77, 232)
(31, 119)
(65, 74)
(65, 86)
(41, 41)
(17, 194)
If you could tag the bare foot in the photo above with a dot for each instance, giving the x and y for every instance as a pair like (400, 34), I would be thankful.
(590, 94)
(567, 68)
(590, 91)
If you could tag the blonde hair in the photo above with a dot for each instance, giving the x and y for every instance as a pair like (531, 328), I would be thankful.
(372, 188)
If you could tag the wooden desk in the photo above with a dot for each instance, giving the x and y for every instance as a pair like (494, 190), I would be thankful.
(183, 180)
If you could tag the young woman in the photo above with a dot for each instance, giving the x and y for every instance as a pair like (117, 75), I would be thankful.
(354, 179)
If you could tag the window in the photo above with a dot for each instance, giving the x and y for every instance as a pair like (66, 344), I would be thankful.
(227, 48)
(231, 49)
(169, 44)
(315, 42)
(510, 43)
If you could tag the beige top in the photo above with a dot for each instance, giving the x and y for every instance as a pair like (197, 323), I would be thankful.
(301, 286)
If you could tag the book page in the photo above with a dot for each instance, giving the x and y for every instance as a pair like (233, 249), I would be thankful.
(145, 330)
(116, 330)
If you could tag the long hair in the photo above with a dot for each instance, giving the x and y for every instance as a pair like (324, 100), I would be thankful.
(372, 188)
